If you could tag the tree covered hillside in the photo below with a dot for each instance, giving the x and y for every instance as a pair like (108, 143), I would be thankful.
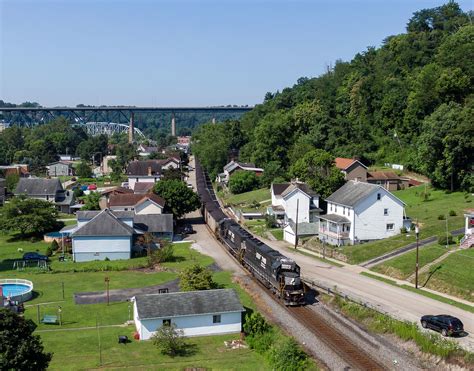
(410, 101)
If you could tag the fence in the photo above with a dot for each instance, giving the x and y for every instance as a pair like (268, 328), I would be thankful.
(16, 281)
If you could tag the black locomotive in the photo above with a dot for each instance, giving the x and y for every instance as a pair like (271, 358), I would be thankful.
(278, 273)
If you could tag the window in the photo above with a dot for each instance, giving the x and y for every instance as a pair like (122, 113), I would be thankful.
(166, 322)
(330, 207)
(379, 196)
(344, 210)
(348, 212)
(390, 226)
(335, 208)
(385, 212)
(216, 318)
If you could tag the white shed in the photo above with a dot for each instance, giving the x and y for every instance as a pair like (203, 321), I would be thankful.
(197, 313)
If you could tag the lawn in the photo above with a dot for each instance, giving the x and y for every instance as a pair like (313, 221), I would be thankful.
(403, 266)
(277, 233)
(455, 275)
(425, 212)
(253, 201)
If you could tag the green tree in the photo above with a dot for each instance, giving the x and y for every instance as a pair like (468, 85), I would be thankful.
(172, 174)
(19, 348)
(83, 170)
(170, 340)
(11, 181)
(317, 168)
(29, 216)
(243, 181)
(255, 324)
(179, 198)
(288, 356)
(91, 201)
(196, 277)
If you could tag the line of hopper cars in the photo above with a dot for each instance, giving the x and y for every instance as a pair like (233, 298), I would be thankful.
(280, 274)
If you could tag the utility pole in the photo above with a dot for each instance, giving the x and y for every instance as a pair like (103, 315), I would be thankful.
(107, 280)
(447, 233)
(98, 335)
(296, 227)
(417, 233)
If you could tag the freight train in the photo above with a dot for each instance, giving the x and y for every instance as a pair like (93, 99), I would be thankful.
(280, 274)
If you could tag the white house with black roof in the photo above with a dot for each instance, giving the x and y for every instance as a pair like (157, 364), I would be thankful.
(361, 212)
(197, 313)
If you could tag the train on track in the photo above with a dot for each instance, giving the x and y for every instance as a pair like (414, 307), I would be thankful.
(280, 274)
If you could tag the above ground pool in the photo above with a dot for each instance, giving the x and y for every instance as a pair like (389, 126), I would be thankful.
(16, 289)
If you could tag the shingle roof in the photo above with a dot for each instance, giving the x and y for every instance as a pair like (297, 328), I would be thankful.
(143, 187)
(130, 199)
(104, 224)
(89, 214)
(116, 190)
(187, 303)
(302, 186)
(38, 186)
(154, 223)
(304, 229)
(343, 163)
(352, 192)
(278, 188)
(141, 167)
(65, 197)
(382, 175)
(335, 218)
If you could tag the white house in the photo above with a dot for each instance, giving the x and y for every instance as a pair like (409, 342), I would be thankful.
(468, 239)
(143, 171)
(197, 313)
(233, 166)
(115, 234)
(144, 204)
(360, 212)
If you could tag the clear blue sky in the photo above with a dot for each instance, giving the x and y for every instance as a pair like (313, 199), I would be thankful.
(176, 53)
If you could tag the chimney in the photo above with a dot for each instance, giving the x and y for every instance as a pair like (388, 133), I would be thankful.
(149, 170)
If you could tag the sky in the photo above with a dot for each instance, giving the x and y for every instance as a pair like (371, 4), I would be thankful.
(182, 53)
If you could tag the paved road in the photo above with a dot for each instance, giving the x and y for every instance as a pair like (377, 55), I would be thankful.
(397, 302)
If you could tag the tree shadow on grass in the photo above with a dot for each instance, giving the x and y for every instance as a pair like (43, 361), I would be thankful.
(432, 272)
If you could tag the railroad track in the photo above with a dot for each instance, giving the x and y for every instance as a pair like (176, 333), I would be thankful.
(355, 356)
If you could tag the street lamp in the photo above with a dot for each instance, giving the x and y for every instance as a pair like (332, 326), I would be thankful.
(417, 233)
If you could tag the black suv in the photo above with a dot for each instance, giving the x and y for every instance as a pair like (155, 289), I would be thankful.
(447, 325)
(34, 256)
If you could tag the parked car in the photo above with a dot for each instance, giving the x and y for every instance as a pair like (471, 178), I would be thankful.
(34, 256)
(188, 229)
(190, 186)
(447, 325)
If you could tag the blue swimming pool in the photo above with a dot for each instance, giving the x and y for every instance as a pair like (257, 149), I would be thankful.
(16, 289)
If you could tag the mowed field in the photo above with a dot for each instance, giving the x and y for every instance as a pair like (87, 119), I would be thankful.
(79, 344)
(425, 212)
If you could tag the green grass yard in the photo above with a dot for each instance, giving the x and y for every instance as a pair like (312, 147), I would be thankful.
(403, 266)
(253, 201)
(426, 212)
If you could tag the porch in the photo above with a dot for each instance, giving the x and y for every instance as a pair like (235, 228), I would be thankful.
(334, 229)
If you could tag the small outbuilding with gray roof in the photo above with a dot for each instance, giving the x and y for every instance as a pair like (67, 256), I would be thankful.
(197, 313)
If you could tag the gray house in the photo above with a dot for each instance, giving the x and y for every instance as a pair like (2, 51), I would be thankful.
(60, 168)
(115, 234)
(47, 190)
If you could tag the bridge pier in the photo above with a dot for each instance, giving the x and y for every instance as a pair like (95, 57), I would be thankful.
(131, 127)
(173, 125)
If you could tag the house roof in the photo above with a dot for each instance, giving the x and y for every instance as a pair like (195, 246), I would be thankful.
(142, 167)
(335, 218)
(154, 223)
(243, 165)
(343, 163)
(301, 186)
(105, 223)
(89, 214)
(149, 149)
(38, 186)
(117, 190)
(189, 303)
(64, 197)
(278, 188)
(352, 192)
(143, 187)
(132, 199)
(66, 163)
(382, 175)
(304, 229)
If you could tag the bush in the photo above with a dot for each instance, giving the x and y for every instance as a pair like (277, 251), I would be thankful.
(170, 340)
(442, 240)
(196, 277)
(441, 217)
(270, 221)
(255, 324)
(243, 181)
(403, 230)
(52, 248)
(261, 343)
(452, 213)
(287, 355)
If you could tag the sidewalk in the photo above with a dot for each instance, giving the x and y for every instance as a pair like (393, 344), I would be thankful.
(359, 269)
